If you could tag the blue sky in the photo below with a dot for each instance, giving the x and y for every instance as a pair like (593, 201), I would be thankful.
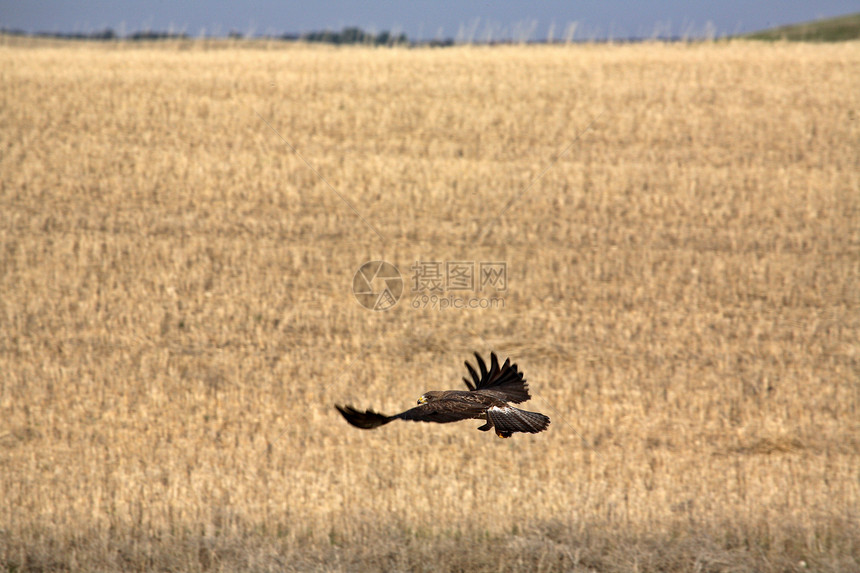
(420, 19)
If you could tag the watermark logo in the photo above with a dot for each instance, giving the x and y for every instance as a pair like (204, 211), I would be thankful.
(436, 285)
(449, 276)
(377, 285)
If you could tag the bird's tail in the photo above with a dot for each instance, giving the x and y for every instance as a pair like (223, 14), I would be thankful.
(507, 419)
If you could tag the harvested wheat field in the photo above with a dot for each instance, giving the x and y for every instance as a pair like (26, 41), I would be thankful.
(678, 230)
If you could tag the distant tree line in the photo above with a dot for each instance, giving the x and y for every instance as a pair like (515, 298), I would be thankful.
(349, 35)
(354, 35)
(106, 34)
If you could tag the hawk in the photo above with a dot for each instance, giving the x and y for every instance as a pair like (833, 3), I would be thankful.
(489, 398)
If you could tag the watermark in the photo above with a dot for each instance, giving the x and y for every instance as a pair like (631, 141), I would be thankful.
(436, 285)
(377, 285)
(441, 302)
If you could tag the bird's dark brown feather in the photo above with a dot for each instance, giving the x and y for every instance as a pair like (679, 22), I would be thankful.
(505, 383)
(488, 398)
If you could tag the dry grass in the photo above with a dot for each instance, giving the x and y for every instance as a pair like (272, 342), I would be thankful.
(176, 318)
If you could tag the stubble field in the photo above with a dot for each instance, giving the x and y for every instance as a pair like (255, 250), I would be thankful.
(177, 317)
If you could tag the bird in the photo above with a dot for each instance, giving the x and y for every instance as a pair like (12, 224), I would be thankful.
(489, 398)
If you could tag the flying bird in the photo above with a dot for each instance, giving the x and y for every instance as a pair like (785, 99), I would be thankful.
(489, 398)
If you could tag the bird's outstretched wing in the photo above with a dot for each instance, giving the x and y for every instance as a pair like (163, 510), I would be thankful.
(366, 420)
(504, 383)
(440, 411)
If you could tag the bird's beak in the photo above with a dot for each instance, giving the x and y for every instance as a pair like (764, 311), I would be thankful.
(422, 400)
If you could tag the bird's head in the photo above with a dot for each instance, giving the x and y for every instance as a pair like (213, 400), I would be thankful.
(429, 397)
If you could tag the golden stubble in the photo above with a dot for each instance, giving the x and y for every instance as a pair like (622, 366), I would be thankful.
(177, 315)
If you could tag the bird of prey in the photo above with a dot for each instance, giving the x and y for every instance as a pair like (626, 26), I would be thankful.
(489, 398)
